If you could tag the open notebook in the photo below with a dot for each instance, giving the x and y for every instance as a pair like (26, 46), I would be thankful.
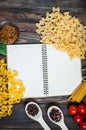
(44, 70)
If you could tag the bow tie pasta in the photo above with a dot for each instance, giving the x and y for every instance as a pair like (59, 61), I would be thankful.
(63, 32)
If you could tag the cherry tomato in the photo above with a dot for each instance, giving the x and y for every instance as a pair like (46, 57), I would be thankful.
(82, 109)
(73, 109)
(77, 118)
(83, 126)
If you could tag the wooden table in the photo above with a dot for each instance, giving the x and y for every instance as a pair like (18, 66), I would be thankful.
(26, 13)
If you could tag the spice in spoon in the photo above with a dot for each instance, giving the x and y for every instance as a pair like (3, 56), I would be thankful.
(32, 109)
(55, 115)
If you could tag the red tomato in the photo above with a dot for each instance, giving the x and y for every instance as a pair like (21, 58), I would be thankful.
(73, 109)
(83, 126)
(82, 109)
(77, 118)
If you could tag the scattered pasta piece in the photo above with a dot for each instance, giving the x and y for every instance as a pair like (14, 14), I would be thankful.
(64, 32)
(11, 89)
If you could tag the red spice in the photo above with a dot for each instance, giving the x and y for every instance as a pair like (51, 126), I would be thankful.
(55, 115)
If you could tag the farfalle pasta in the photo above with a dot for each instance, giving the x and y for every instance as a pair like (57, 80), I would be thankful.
(63, 32)
(11, 89)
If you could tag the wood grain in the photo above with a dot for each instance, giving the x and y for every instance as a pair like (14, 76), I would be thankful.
(26, 13)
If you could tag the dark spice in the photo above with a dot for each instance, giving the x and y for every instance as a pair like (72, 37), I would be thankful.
(55, 115)
(8, 33)
(32, 109)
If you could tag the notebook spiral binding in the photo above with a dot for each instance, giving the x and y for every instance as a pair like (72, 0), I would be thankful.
(45, 69)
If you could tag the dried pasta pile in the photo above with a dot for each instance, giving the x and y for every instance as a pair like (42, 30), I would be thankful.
(64, 32)
(11, 89)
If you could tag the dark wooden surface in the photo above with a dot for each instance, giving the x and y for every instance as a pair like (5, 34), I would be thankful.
(25, 13)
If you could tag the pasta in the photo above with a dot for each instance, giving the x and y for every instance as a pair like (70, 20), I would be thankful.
(11, 89)
(79, 93)
(63, 32)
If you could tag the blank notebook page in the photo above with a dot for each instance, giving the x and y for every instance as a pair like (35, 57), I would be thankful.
(27, 60)
(63, 74)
